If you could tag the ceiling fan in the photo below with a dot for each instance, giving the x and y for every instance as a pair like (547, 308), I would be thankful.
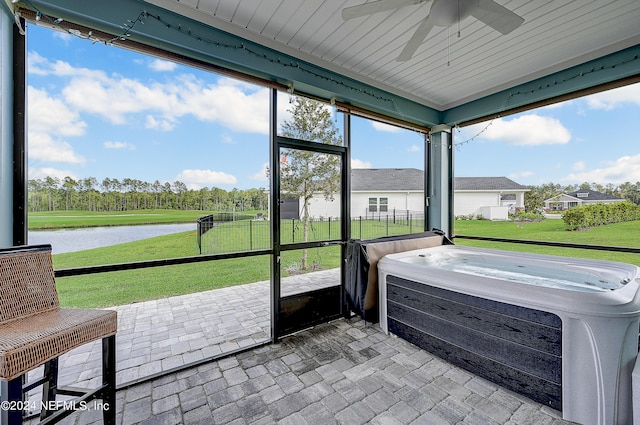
(443, 13)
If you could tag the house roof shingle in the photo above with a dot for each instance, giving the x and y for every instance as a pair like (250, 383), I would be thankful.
(379, 179)
(412, 179)
(592, 195)
(486, 183)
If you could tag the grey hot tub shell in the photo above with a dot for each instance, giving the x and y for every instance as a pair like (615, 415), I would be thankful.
(579, 343)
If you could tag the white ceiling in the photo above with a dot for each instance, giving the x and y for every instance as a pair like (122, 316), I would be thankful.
(446, 71)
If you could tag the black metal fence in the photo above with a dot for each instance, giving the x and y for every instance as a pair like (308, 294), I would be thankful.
(393, 223)
(249, 234)
(208, 222)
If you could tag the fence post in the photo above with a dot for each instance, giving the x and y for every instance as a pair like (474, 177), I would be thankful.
(410, 223)
(250, 235)
(199, 227)
(360, 227)
(329, 227)
(293, 230)
(387, 225)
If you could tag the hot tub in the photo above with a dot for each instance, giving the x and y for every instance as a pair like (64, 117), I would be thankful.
(562, 331)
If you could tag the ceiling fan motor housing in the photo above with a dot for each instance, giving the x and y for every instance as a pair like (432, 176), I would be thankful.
(445, 13)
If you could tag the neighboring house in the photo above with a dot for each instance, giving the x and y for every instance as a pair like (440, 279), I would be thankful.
(492, 197)
(376, 191)
(564, 201)
(381, 191)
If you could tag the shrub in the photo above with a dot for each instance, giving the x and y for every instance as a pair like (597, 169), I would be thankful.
(574, 219)
(594, 215)
(525, 216)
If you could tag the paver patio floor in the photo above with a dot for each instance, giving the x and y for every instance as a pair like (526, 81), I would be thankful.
(344, 372)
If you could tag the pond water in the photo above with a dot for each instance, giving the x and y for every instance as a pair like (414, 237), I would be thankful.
(69, 240)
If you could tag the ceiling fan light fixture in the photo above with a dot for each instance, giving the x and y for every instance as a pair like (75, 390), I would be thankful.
(447, 13)
(443, 13)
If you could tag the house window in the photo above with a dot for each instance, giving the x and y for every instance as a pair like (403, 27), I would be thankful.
(373, 204)
(384, 203)
(556, 206)
(573, 204)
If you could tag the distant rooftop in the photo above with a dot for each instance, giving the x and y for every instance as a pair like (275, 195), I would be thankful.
(412, 179)
(378, 179)
(486, 183)
(592, 195)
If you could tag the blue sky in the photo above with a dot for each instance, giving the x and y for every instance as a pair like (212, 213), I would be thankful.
(101, 111)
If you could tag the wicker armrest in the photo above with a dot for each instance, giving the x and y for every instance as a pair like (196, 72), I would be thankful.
(30, 342)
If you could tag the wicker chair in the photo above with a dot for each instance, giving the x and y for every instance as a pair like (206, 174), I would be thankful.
(35, 331)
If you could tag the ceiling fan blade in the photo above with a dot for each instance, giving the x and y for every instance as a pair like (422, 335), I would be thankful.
(496, 16)
(375, 7)
(416, 39)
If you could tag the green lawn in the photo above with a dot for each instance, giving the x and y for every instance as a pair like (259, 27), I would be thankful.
(124, 287)
(552, 230)
(72, 219)
(620, 234)
(181, 244)
(117, 288)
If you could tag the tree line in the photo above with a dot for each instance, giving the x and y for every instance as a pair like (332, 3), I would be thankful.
(54, 194)
(534, 199)
(88, 194)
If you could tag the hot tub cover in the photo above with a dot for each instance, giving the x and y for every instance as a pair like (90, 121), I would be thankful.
(361, 284)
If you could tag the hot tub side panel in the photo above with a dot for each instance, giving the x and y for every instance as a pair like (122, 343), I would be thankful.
(516, 347)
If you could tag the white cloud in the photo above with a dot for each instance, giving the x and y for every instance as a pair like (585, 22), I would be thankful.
(158, 124)
(119, 145)
(579, 166)
(414, 148)
(233, 104)
(238, 106)
(357, 163)
(262, 174)
(40, 65)
(621, 170)
(379, 126)
(44, 148)
(529, 130)
(613, 98)
(64, 36)
(50, 121)
(41, 173)
(37, 64)
(50, 115)
(162, 65)
(195, 179)
(115, 99)
(224, 102)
